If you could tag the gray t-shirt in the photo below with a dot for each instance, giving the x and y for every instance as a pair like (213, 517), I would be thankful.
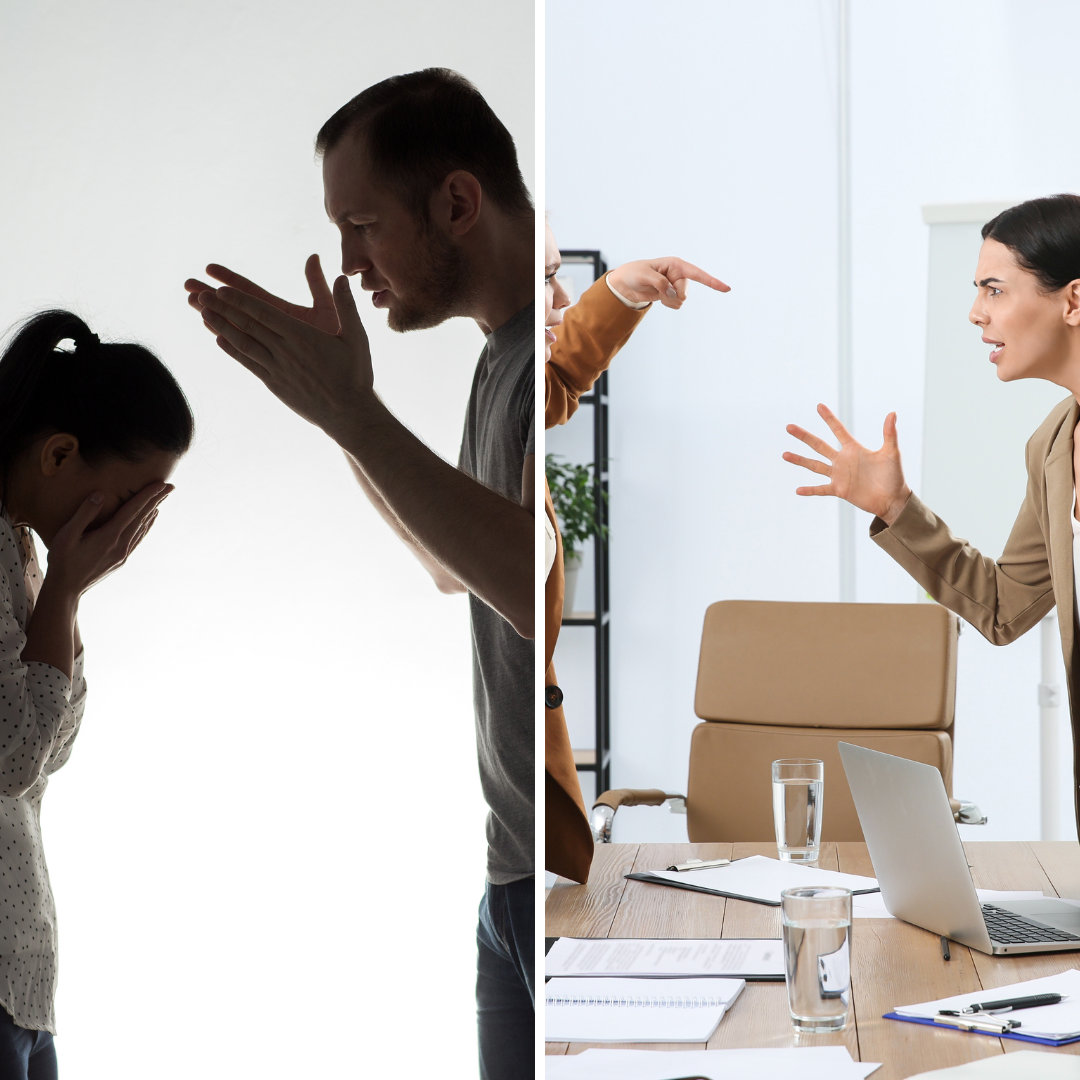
(499, 435)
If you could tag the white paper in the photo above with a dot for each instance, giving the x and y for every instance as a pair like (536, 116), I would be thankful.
(677, 957)
(1059, 1021)
(872, 906)
(1016, 1065)
(803, 1063)
(763, 879)
(636, 1010)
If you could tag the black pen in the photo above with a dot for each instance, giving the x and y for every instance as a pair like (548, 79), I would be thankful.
(1005, 1004)
(945, 954)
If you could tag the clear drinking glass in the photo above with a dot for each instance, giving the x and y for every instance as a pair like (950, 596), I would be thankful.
(817, 956)
(798, 788)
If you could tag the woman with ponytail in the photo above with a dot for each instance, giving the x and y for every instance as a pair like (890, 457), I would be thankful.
(1028, 308)
(89, 435)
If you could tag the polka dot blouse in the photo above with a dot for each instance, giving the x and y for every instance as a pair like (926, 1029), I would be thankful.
(40, 710)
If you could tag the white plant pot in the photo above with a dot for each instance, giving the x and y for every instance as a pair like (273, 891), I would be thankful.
(571, 566)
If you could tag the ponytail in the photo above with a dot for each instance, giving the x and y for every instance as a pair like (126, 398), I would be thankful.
(118, 400)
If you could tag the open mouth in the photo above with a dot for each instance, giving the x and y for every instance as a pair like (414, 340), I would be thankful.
(549, 334)
(996, 351)
(378, 298)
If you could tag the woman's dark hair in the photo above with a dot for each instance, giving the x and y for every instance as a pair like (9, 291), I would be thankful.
(1044, 235)
(118, 400)
(418, 128)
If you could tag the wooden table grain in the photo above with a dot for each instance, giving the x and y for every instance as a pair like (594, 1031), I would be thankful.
(892, 962)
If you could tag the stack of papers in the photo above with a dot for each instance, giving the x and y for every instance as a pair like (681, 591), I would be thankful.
(741, 958)
(636, 1010)
(1045, 1023)
(805, 1063)
(757, 878)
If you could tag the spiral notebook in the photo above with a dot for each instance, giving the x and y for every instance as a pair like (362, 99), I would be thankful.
(636, 1010)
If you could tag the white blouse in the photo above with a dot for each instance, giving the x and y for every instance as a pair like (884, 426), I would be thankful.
(40, 711)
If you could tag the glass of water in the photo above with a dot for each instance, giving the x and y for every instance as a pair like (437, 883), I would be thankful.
(797, 788)
(817, 957)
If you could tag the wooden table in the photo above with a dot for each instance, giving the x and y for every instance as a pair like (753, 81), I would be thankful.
(892, 962)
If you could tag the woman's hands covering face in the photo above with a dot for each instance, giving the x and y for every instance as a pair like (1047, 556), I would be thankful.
(80, 556)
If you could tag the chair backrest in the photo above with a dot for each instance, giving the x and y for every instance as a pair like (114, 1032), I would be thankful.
(828, 665)
(793, 679)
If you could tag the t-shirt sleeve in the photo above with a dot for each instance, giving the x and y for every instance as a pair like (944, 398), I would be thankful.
(528, 414)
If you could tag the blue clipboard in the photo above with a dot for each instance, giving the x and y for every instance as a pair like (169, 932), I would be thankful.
(993, 1034)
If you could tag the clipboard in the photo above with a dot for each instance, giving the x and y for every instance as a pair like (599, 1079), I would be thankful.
(993, 1034)
(793, 876)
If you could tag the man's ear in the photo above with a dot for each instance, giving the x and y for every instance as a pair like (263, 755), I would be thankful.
(1072, 303)
(60, 451)
(456, 204)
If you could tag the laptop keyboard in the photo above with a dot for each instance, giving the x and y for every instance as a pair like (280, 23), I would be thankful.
(1006, 927)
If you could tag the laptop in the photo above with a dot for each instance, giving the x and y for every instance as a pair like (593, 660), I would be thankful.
(922, 870)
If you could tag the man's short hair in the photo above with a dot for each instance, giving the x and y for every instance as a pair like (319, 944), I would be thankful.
(418, 128)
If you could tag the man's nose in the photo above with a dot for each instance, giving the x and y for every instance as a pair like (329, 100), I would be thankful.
(354, 259)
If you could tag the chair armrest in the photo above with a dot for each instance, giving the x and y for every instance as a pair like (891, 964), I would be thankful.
(967, 813)
(631, 797)
(603, 811)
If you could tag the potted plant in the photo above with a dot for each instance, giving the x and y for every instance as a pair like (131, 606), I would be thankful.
(572, 489)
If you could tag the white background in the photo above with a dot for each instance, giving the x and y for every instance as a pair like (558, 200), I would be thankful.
(279, 726)
(708, 130)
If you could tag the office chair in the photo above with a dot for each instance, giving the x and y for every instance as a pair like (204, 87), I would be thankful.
(782, 680)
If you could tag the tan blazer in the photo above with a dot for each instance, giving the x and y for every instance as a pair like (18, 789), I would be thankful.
(592, 332)
(1006, 599)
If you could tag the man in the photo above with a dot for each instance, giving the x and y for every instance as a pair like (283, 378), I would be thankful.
(590, 334)
(422, 180)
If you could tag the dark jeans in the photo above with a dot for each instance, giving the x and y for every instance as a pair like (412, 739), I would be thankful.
(25, 1054)
(504, 981)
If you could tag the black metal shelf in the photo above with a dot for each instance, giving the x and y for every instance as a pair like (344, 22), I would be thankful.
(598, 759)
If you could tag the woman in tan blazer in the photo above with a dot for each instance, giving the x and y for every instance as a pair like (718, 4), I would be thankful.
(1028, 307)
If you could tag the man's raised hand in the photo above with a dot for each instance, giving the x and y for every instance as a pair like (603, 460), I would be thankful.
(322, 314)
(660, 279)
(872, 480)
(319, 375)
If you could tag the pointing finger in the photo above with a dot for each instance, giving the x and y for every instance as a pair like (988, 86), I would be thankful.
(695, 273)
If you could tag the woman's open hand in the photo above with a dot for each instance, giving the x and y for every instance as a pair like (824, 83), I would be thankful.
(872, 480)
(80, 556)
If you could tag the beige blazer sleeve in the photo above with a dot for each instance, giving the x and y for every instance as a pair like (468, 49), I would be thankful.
(1005, 598)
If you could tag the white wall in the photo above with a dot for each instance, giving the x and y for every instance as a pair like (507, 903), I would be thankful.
(709, 130)
(280, 702)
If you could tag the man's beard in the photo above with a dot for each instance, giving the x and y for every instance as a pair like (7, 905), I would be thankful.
(439, 288)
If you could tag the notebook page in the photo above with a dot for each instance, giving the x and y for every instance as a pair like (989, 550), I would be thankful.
(677, 957)
(636, 1010)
